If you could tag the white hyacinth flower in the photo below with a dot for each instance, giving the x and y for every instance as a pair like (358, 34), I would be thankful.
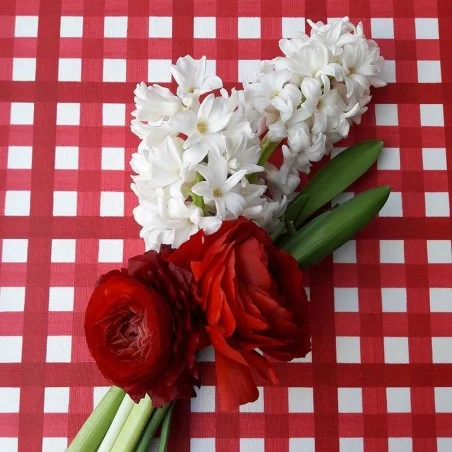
(218, 188)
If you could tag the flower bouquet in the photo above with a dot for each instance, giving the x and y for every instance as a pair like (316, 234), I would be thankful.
(229, 224)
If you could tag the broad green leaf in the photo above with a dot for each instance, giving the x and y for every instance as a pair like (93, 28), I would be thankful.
(327, 232)
(296, 207)
(338, 174)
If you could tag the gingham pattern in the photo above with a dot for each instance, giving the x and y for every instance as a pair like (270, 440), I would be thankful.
(380, 376)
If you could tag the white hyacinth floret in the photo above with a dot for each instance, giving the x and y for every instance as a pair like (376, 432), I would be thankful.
(203, 152)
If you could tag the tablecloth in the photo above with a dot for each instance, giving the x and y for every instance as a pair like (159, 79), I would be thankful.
(380, 374)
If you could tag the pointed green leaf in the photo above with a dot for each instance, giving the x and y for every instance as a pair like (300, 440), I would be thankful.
(296, 207)
(166, 424)
(338, 174)
(327, 232)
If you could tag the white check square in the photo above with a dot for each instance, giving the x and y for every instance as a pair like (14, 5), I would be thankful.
(443, 400)
(247, 69)
(26, 27)
(56, 400)
(17, 203)
(432, 115)
(59, 349)
(249, 27)
(444, 444)
(64, 203)
(351, 445)
(61, 299)
(70, 69)
(113, 114)
(110, 250)
(440, 299)
(396, 350)
(388, 73)
(392, 251)
(394, 299)
(426, 28)
(202, 444)
(160, 27)
(114, 70)
(71, 27)
(22, 113)
(66, 157)
(301, 400)
(439, 252)
(205, 27)
(434, 159)
(10, 400)
(12, 299)
(68, 114)
(63, 250)
(350, 400)
(389, 159)
(113, 159)
(346, 254)
(386, 115)
(24, 69)
(115, 27)
(9, 444)
(19, 157)
(159, 71)
(10, 349)
(252, 445)
(292, 26)
(346, 299)
(442, 350)
(111, 204)
(398, 400)
(54, 444)
(15, 250)
(348, 349)
(204, 402)
(428, 71)
(382, 28)
(393, 206)
(301, 444)
(400, 445)
(437, 204)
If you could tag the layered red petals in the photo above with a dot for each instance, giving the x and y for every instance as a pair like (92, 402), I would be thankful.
(142, 328)
(253, 297)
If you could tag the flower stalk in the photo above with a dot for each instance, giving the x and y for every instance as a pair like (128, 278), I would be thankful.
(134, 426)
(96, 426)
(267, 149)
(117, 424)
(151, 428)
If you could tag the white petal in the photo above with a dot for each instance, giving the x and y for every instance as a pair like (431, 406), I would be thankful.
(184, 122)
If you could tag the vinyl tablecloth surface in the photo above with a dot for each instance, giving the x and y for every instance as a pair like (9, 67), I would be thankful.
(380, 375)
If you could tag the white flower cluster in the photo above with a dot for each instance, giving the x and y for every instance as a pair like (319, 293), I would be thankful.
(195, 159)
(199, 162)
(313, 94)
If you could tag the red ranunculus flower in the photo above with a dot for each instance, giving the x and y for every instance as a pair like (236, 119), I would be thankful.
(142, 328)
(253, 297)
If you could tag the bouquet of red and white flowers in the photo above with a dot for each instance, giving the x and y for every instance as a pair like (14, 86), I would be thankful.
(227, 230)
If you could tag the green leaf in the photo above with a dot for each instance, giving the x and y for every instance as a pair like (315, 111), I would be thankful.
(327, 232)
(296, 207)
(94, 429)
(338, 174)
(165, 429)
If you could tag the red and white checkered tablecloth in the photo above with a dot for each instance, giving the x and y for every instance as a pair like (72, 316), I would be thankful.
(380, 375)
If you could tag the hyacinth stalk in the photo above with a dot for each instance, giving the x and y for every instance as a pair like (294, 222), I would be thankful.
(117, 424)
(96, 426)
(134, 426)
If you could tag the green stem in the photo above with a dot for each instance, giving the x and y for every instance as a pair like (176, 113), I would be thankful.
(117, 424)
(151, 428)
(280, 228)
(267, 149)
(94, 429)
(165, 429)
(132, 429)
